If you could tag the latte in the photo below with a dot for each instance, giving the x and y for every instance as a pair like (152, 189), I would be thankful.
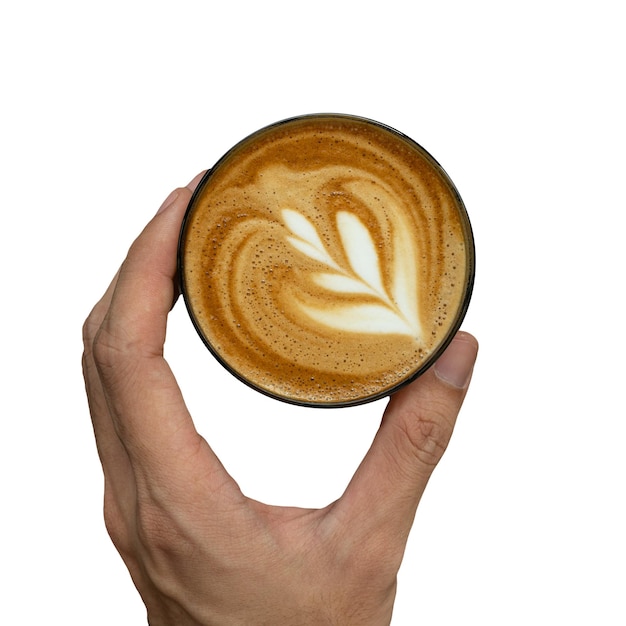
(326, 260)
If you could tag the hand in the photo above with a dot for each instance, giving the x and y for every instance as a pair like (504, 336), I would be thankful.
(198, 550)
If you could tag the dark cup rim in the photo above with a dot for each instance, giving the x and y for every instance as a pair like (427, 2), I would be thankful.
(454, 326)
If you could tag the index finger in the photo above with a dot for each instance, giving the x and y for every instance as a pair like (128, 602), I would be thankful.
(144, 400)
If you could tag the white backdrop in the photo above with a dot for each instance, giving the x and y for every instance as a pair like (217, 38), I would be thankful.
(106, 107)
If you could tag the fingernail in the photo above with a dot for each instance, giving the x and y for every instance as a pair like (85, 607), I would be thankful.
(168, 201)
(455, 365)
(193, 183)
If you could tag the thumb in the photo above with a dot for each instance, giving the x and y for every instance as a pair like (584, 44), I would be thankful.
(419, 420)
(416, 428)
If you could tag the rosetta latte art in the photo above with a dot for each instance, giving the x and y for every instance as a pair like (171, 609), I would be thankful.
(363, 276)
(324, 262)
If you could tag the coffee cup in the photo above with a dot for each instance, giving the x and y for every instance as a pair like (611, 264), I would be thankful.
(326, 260)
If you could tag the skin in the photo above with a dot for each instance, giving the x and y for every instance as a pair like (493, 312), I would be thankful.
(198, 550)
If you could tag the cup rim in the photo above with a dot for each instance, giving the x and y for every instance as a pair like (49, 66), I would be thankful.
(454, 327)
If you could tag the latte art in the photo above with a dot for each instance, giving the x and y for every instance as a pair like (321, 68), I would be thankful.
(326, 260)
(380, 311)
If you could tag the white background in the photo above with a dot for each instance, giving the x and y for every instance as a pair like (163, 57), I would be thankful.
(106, 107)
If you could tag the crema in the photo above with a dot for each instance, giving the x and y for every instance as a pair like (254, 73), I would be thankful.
(326, 260)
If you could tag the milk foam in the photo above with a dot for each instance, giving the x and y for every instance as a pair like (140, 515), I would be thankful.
(325, 261)
(362, 276)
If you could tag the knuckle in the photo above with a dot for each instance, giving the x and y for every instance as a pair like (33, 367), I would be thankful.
(115, 524)
(428, 441)
(105, 348)
(114, 355)
(90, 330)
(425, 435)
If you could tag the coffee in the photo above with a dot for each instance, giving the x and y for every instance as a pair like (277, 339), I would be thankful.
(326, 260)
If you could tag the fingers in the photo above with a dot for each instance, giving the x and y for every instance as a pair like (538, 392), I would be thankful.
(144, 402)
(113, 457)
(137, 409)
(382, 498)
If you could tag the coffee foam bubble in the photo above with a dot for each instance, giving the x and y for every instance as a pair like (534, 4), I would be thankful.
(325, 260)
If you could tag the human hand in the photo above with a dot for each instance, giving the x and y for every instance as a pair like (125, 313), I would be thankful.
(198, 550)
